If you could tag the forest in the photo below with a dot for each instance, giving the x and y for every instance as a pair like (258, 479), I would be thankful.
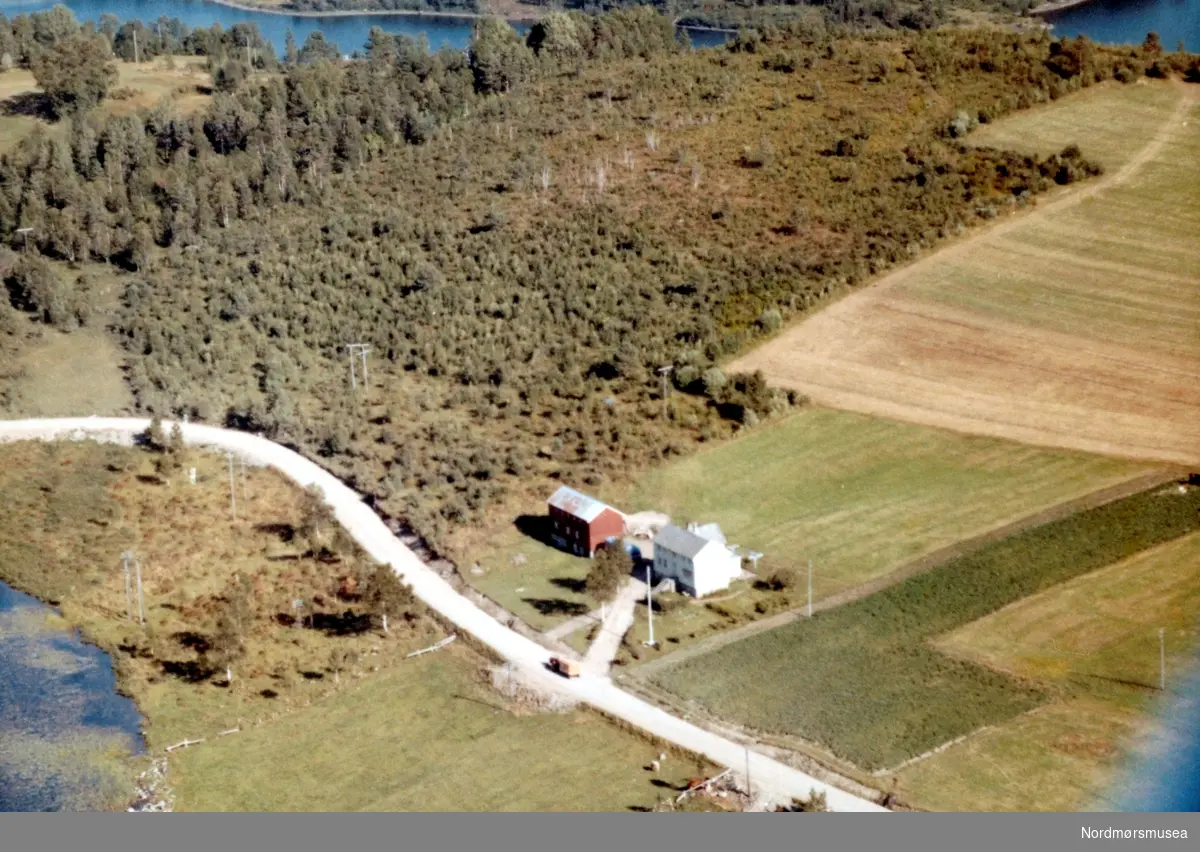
(904, 14)
(524, 234)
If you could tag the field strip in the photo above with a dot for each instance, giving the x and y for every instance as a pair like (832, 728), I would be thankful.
(1065, 200)
(369, 530)
(925, 354)
(1110, 494)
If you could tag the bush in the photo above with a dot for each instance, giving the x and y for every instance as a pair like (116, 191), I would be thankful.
(610, 567)
(713, 381)
(770, 320)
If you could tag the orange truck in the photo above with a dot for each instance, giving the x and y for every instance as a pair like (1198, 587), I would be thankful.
(566, 668)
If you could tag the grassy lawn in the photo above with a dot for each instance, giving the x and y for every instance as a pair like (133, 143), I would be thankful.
(66, 375)
(861, 496)
(863, 680)
(1097, 636)
(426, 737)
(544, 590)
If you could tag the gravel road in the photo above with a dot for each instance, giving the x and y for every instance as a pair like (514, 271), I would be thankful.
(772, 778)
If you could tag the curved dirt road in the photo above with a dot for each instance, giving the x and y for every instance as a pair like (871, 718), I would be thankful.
(377, 540)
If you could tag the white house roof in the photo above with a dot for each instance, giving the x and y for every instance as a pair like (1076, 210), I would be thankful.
(680, 541)
(580, 505)
(711, 532)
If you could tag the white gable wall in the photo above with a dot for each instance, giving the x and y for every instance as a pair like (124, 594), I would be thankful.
(711, 570)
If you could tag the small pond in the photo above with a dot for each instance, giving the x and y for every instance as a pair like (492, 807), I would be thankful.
(65, 734)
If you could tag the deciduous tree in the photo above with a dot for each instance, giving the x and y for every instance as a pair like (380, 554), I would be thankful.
(76, 73)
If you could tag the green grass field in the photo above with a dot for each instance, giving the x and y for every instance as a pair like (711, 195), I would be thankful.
(862, 496)
(1097, 637)
(1109, 122)
(426, 737)
(863, 680)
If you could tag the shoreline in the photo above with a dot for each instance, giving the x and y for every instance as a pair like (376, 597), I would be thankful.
(363, 13)
(531, 18)
(1061, 6)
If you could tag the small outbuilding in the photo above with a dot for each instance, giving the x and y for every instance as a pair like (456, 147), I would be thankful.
(697, 559)
(579, 524)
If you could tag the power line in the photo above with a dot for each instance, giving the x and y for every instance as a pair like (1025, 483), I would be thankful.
(361, 350)
(125, 558)
(1162, 660)
(141, 601)
(663, 372)
(232, 490)
(810, 588)
(649, 604)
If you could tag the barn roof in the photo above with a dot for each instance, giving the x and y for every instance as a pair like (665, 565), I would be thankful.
(677, 540)
(580, 505)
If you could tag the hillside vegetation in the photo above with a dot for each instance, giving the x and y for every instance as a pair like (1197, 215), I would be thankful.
(522, 234)
(327, 710)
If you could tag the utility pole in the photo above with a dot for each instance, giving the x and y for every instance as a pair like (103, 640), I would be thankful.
(1162, 661)
(810, 588)
(24, 232)
(232, 491)
(141, 602)
(649, 605)
(125, 558)
(663, 372)
(361, 350)
(749, 790)
(135, 46)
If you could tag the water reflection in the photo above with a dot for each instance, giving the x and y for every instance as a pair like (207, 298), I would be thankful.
(65, 735)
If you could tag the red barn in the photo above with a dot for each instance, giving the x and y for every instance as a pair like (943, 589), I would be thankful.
(580, 524)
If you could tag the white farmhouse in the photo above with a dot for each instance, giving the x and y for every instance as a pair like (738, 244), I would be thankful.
(699, 564)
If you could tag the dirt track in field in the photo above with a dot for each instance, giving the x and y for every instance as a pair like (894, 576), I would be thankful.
(889, 352)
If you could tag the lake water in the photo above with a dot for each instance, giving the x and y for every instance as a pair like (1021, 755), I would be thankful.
(65, 735)
(1128, 21)
(349, 33)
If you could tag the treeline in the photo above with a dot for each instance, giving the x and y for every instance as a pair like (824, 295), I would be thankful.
(25, 37)
(112, 190)
(524, 234)
(756, 14)
(384, 5)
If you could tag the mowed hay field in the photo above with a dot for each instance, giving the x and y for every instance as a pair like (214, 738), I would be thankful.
(864, 681)
(1097, 637)
(428, 737)
(862, 496)
(1074, 325)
